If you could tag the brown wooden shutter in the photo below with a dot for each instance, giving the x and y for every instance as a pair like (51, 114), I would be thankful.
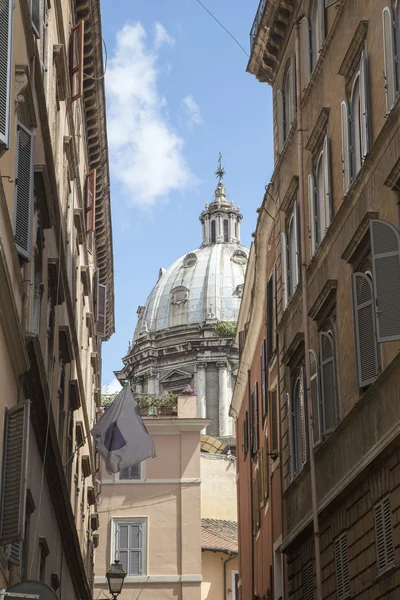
(328, 382)
(342, 567)
(15, 473)
(364, 324)
(245, 435)
(6, 26)
(76, 60)
(90, 201)
(101, 309)
(23, 207)
(385, 251)
(315, 397)
(274, 423)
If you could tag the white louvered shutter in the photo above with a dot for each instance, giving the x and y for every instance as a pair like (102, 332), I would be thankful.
(315, 397)
(280, 120)
(23, 204)
(385, 251)
(101, 309)
(342, 567)
(284, 267)
(364, 106)
(383, 535)
(303, 420)
(312, 214)
(321, 23)
(365, 333)
(292, 107)
(15, 473)
(346, 168)
(296, 273)
(328, 203)
(308, 582)
(291, 465)
(328, 382)
(305, 51)
(6, 25)
(389, 58)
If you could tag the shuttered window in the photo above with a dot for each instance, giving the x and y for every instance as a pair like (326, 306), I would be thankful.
(264, 379)
(76, 60)
(256, 502)
(245, 444)
(242, 339)
(36, 13)
(132, 473)
(389, 64)
(342, 567)
(328, 381)
(254, 420)
(303, 420)
(280, 120)
(365, 334)
(297, 425)
(317, 18)
(23, 204)
(6, 25)
(90, 201)
(284, 263)
(313, 214)
(308, 582)
(291, 256)
(315, 397)
(129, 546)
(15, 473)
(289, 98)
(305, 51)
(385, 253)
(265, 472)
(346, 164)
(270, 323)
(364, 108)
(274, 424)
(320, 197)
(101, 309)
(383, 535)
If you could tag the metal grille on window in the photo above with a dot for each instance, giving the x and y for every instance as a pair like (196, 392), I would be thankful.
(342, 567)
(383, 535)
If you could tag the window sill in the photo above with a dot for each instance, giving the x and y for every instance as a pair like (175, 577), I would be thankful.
(386, 572)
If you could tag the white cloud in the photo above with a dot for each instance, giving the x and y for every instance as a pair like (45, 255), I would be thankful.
(162, 36)
(192, 111)
(146, 152)
(112, 387)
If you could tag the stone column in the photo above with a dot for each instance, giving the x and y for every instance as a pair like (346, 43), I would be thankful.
(231, 228)
(206, 239)
(200, 387)
(224, 399)
(139, 385)
(238, 231)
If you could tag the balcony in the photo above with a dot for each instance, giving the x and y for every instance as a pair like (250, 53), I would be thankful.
(257, 22)
(152, 405)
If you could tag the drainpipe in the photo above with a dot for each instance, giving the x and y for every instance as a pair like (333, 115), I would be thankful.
(251, 488)
(232, 557)
(303, 238)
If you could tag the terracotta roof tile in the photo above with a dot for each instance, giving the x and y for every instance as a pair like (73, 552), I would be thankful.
(219, 535)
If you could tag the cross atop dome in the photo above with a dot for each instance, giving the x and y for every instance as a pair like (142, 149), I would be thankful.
(220, 172)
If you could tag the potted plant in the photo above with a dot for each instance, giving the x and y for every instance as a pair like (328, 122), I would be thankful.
(167, 404)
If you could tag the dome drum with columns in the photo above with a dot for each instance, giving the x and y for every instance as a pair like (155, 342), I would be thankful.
(176, 342)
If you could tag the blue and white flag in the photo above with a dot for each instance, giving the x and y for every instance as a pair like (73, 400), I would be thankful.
(121, 436)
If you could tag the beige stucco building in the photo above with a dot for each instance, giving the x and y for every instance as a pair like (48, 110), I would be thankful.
(56, 288)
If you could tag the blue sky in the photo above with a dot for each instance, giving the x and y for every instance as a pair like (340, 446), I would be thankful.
(177, 95)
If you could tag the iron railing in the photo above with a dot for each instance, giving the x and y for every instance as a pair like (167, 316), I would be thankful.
(256, 22)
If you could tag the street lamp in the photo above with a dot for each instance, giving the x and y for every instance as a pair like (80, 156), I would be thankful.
(115, 577)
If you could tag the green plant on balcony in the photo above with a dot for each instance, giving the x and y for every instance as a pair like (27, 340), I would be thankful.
(155, 405)
(225, 329)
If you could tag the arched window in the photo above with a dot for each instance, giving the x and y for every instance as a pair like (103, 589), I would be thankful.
(298, 448)
(356, 127)
(213, 235)
(330, 409)
(317, 21)
(226, 233)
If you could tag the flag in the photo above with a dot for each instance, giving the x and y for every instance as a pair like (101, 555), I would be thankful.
(121, 436)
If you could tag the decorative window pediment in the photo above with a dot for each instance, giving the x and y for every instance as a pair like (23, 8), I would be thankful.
(179, 295)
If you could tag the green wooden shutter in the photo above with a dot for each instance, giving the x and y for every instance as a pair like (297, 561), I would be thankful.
(23, 203)
(15, 473)
(328, 382)
(6, 26)
(364, 326)
(389, 66)
(315, 397)
(385, 251)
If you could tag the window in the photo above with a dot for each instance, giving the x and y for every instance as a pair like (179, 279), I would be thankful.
(61, 402)
(365, 327)
(290, 258)
(131, 473)
(329, 399)
(235, 585)
(35, 7)
(320, 197)
(270, 318)
(317, 30)
(342, 567)
(226, 232)
(264, 379)
(391, 47)
(305, 51)
(6, 27)
(76, 60)
(245, 444)
(213, 235)
(43, 554)
(130, 541)
(90, 201)
(255, 489)
(307, 576)
(355, 127)
(297, 424)
(23, 202)
(383, 535)
(274, 423)
(254, 426)
(286, 103)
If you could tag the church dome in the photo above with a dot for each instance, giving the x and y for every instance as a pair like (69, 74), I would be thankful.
(205, 285)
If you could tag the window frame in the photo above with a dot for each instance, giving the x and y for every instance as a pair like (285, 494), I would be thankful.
(380, 507)
(135, 480)
(143, 521)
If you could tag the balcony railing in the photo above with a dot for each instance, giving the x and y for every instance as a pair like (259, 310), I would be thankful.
(256, 22)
